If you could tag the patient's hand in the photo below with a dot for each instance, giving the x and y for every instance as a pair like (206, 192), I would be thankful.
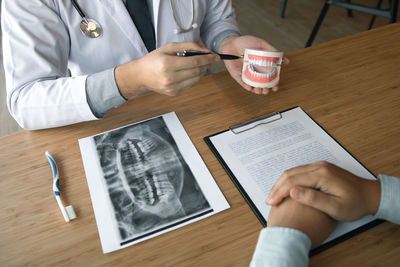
(314, 223)
(326, 187)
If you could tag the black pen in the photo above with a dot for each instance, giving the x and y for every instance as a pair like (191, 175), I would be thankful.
(189, 53)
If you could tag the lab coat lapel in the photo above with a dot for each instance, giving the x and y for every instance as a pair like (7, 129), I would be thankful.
(117, 10)
(156, 7)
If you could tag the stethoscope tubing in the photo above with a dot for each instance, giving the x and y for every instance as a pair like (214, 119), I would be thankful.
(180, 29)
(78, 8)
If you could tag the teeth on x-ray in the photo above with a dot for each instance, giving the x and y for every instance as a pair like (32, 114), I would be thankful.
(141, 174)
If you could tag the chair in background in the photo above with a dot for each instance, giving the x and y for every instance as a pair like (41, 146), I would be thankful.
(283, 8)
(284, 2)
(390, 13)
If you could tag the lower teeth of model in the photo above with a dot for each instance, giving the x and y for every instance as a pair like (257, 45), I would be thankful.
(262, 75)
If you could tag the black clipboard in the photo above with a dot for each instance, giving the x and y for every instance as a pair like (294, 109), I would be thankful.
(267, 118)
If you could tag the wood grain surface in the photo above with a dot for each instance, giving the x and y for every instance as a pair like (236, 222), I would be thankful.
(350, 86)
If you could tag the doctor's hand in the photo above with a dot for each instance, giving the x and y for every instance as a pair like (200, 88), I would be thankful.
(162, 71)
(236, 45)
(314, 223)
(330, 189)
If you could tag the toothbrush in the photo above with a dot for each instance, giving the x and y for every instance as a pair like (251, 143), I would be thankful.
(68, 212)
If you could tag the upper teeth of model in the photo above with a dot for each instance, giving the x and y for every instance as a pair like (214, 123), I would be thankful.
(262, 63)
(259, 74)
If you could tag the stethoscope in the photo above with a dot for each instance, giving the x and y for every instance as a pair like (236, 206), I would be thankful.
(92, 29)
(89, 27)
(193, 25)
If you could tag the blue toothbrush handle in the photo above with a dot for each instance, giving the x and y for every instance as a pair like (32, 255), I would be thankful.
(54, 170)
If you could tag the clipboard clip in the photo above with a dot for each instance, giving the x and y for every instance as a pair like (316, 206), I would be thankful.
(253, 123)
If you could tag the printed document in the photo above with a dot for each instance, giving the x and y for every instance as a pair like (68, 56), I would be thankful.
(259, 155)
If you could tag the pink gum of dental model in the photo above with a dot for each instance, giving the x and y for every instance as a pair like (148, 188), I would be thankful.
(261, 68)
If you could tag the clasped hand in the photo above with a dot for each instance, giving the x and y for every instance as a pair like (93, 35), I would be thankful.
(327, 190)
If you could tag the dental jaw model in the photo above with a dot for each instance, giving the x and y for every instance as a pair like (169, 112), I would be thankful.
(261, 68)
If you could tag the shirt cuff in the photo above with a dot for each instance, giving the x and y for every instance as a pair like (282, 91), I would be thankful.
(102, 92)
(281, 246)
(221, 36)
(389, 206)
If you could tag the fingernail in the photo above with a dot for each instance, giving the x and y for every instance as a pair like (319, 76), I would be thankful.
(270, 200)
(297, 193)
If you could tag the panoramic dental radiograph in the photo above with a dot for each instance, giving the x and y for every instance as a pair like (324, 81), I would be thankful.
(261, 68)
(148, 181)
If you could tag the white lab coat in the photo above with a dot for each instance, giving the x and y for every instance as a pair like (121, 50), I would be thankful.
(42, 39)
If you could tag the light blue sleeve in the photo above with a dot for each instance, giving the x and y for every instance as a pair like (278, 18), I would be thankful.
(389, 206)
(281, 246)
(102, 92)
(221, 36)
(219, 19)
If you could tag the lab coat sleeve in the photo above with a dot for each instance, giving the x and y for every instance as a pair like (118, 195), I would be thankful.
(35, 50)
(218, 39)
(220, 17)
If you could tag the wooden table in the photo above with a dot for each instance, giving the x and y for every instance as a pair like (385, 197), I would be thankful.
(350, 86)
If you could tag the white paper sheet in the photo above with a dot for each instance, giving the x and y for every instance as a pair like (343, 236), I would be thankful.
(146, 179)
(258, 156)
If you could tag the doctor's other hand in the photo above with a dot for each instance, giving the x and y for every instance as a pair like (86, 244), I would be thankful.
(236, 45)
(330, 189)
(314, 223)
(162, 71)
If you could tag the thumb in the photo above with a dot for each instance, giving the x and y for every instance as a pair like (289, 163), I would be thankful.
(180, 46)
(264, 45)
(316, 199)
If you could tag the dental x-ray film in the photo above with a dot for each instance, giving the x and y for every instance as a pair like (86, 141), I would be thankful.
(146, 179)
